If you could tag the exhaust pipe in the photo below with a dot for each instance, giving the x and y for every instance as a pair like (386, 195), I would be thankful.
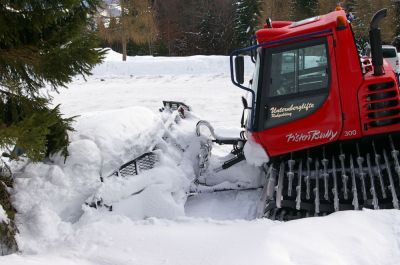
(376, 41)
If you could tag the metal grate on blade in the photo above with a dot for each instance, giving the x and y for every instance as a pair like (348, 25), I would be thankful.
(174, 105)
(136, 166)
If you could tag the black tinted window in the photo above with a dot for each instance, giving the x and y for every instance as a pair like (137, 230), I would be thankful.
(299, 70)
(389, 53)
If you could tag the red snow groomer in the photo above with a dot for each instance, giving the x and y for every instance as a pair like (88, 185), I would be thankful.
(327, 118)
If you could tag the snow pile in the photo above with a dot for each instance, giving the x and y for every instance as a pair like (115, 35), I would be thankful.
(255, 153)
(356, 238)
(229, 205)
(120, 135)
(49, 197)
(161, 191)
(161, 66)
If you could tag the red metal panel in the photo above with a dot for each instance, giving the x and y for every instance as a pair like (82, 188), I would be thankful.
(321, 127)
(327, 21)
(368, 96)
(354, 106)
(350, 79)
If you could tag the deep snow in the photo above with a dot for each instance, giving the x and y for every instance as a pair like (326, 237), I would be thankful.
(119, 119)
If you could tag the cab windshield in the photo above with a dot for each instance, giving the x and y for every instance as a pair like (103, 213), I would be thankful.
(389, 52)
(256, 74)
(254, 86)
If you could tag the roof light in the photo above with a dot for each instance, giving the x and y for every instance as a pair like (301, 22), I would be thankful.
(341, 22)
(304, 21)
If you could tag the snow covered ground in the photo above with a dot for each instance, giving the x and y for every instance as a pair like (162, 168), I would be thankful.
(152, 221)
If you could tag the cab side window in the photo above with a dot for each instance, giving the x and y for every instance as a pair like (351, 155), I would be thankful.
(299, 70)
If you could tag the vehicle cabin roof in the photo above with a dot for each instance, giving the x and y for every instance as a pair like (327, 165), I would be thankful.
(287, 29)
(388, 47)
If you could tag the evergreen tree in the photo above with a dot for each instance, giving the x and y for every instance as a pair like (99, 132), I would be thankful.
(42, 43)
(359, 23)
(302, 9)
(363, 12)
(214, 32)
(396, 23)
(350, 5)
(208, 37)
(327, 6)
(246, 20)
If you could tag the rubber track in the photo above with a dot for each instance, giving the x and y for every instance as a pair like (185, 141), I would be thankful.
(352, 177)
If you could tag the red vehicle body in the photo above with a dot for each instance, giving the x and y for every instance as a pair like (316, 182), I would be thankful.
(348, 102)
(328, 118)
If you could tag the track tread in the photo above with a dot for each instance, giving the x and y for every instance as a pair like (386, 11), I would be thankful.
(314, 185)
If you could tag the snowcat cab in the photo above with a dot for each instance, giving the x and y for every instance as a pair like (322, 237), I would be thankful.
(328, 119)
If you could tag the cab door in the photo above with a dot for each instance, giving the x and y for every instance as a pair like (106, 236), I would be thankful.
(299, 97)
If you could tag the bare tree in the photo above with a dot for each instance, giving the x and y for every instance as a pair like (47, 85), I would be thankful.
(130, 20)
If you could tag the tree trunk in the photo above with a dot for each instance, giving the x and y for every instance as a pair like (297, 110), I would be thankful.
(124, 49)
(124, 28)
(8, 244)
(150, 47)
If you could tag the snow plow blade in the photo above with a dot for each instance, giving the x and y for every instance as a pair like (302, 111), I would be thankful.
(313, 182)
(136, 166)
(173, 112)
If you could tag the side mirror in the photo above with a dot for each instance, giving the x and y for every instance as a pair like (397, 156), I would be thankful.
(239, 69)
